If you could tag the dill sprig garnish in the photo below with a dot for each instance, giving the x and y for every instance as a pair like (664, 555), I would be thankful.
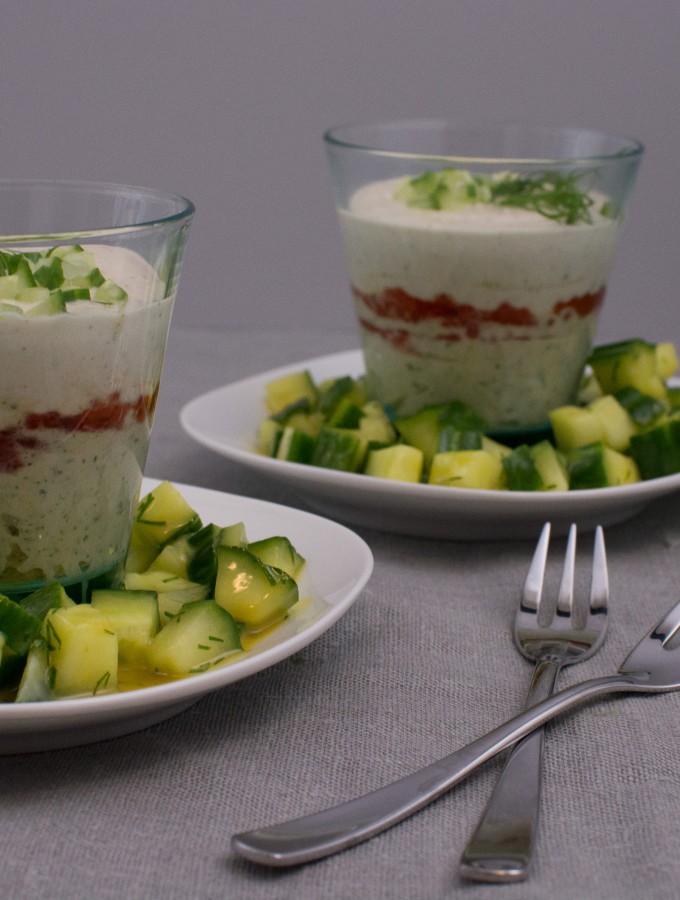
(551, 194)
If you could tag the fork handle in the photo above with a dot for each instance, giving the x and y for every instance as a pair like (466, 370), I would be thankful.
(501, 847)
(323, 833)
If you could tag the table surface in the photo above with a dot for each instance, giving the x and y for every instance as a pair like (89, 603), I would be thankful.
(421, 664)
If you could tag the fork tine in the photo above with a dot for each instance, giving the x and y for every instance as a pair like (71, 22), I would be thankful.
(533, 586)
(668, 626)
(599, 584)
(565, 595)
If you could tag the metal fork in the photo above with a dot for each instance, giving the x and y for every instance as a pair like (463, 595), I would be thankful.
(652, 667)
(501, 847)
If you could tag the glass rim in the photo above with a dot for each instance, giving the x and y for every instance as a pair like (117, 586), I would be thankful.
(630, 147)
(182, 208)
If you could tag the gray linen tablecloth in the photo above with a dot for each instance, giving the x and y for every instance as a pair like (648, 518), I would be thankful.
(420, 665)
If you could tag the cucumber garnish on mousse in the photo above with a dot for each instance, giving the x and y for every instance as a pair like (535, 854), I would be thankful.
(44, 283)
(551, 194)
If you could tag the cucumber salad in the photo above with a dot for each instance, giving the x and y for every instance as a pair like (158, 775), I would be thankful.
(193, 596)
(624, 427)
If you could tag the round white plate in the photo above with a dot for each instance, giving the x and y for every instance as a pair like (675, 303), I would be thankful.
(226, 420)
(338, 566)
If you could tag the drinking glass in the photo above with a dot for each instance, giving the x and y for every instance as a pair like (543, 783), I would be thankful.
(88, 278)
(478, 259)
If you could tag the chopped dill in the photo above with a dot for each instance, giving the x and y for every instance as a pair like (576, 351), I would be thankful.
(102, 683)
(551, 194)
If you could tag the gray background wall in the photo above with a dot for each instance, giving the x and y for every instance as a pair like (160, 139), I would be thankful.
(225, 101)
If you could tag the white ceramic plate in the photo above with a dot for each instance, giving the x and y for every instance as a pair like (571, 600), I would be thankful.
(226, 420)
(338, 566)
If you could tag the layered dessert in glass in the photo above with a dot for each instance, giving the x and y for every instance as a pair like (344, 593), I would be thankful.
(478, 278)
(82, 339)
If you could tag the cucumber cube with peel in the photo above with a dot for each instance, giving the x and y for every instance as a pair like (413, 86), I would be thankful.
(201, 635)
(134, 618)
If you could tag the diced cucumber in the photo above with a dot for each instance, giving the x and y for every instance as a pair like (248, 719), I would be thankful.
(34, 686)
(333, 391)
(202, 563)
(234, 536)
(376, 431)
(9, 287)
(673, 394)
(277, 551)
(451, 438)
(159, 582)
(50, 274)
(18, 626)
(77, 263)
(52, 305)
(589, 389)
(171, 591)
(142, 551)
(72, 294)
(574, 426)
(134, 618)
(40, 602)
(398, 463)
(24, 274)
(62, 250)
(495, 448)
(596, 465)
(309, 422)
(108, 293)
(445, 189)
(288, 389)
(82, 651)
(41, 284)
(31, 296)
(375, 426)
(551, 467)
(254, 593)
(11, 307)
(642, 409)
(301, 405)
(604, 419)
(423, 429)
(467, 468)
(628, 364)
(521, 471)
(346, 414)
(295, 445)
(616, 425)
(175, 557)
(200, 636)
(657, 450)
(268, 437)
(164, 514)
(11, 664)
(19, 283)
(667, 361)
(339, 448)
